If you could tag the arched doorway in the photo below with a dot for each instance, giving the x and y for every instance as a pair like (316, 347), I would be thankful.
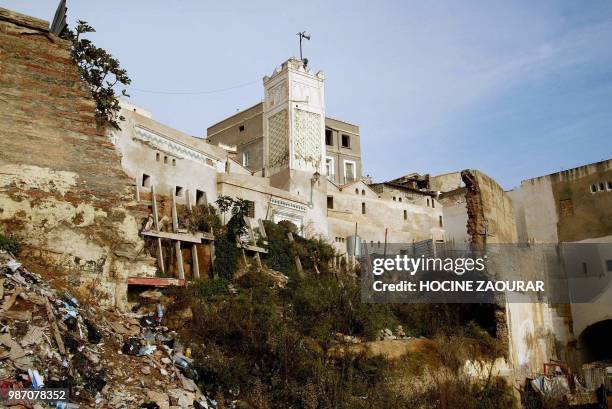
(595, 342)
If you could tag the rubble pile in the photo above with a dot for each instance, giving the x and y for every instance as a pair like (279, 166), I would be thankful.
(105, 359)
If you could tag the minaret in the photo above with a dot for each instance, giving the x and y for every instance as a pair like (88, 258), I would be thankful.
(294, 133)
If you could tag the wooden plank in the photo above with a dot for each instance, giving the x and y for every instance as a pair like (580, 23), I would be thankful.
(56, 333)
(195, 262)
(155, 281)
(188, 199)
(187, 237)
(250, 247)
(177, 244)
(160, 252)
(298, 262)
(137, 190)
(262, 229)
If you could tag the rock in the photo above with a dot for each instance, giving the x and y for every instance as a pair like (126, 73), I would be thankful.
(181, 397)
(160, 398)
(145, 370)
(151, 295)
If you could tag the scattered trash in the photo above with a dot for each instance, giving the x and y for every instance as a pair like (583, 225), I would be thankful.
(49, 339)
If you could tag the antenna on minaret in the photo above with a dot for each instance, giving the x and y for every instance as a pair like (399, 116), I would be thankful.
(306, 35)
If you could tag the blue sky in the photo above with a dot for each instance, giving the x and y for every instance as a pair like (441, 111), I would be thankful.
(516, 89)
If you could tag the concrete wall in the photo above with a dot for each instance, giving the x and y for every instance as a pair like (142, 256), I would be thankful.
(421, 222)
(165, 156)
(341, 154)
(446, 182)
(62, 189)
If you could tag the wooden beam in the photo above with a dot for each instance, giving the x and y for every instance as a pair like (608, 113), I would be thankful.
(155, 281)
(195, 262)
(298, 262)
(187, 237)
(177, 243)
(160, 253)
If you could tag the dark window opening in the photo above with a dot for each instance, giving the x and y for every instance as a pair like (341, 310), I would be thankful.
(363, 192)
(173, 162)
(405, 215)
(585, 268)
(146, 180)
(178, 191)
(356, 191)
(609, 185)
(433, 203)
(363, 208)
(427, 202)
(440, 221)
(400, 199)
(157, 156)
(250, 209)
(394, 199)
(200, 197)
(609, 265)
(601, 186)
(593, 188)
(329, 137)
(241, 128)
(346, 141)
(330, 202)
(165, 160)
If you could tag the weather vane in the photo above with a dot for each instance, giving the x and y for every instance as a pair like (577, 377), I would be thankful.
(306, 35)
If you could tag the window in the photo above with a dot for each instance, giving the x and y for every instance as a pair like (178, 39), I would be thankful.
(173, 162)
(246, 156)
(329, 137)
(433, 203)
(405, 214)
(329, 167)
(593, 188)
(363, 208)
(157, 156)
(146, 180)
(241, 128)
(250, 208)
(427, 202)
(346, 141)
(349, 171)
(609, 185)
(609, 265)
(165, 160)
(394, 199)
(200, 197)
(601, 186)
(330, 202)
(440, 221)
(585, 269)
(400, 199)
(362, 192)
(178, 191)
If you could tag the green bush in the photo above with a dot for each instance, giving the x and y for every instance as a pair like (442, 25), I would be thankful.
(10, 244)
(226, 256)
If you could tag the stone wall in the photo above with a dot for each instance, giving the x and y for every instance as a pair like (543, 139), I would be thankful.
(62, 189)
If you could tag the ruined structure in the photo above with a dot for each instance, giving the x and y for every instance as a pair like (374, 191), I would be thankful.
(63, 191)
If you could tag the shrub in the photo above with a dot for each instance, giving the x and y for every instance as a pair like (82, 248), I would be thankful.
(200, 218)
(10, 244)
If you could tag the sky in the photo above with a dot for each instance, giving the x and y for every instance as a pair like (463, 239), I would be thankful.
(517, 89)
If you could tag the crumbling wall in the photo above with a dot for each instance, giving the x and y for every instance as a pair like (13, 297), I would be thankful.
(62, 189)
(490, 213)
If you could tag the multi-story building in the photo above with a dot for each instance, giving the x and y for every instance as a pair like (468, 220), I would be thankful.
(242, 133)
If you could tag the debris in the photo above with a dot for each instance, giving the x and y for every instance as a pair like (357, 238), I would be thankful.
(153, 295)
(36, 379)
(99, 356)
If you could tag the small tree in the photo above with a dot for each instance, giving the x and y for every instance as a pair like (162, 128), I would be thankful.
(101, 71)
